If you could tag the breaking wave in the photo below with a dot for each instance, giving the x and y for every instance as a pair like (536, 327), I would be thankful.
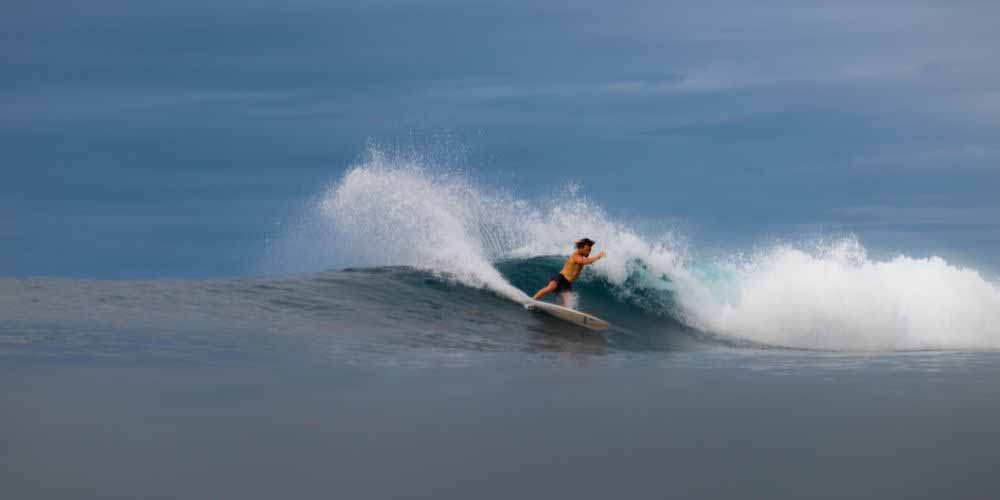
(398, 209)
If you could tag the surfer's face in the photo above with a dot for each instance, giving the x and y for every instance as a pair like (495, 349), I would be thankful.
(585, 250)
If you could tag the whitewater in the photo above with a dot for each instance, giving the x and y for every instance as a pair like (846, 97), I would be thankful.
(397, 208)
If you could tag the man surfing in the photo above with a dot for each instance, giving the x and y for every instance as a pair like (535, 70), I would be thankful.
(562, 283)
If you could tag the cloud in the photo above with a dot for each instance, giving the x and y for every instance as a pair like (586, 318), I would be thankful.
(901, 215)
(968, 159)
(880, 86)
(65, 105)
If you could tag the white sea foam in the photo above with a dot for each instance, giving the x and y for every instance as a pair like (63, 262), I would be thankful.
(395, 209)
(836, 297)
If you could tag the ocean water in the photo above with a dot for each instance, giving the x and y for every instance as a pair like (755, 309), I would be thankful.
(380, 349)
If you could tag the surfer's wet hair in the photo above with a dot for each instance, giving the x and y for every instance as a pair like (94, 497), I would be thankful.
(584, 242)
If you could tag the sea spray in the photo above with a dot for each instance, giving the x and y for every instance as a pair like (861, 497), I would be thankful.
(395, 212)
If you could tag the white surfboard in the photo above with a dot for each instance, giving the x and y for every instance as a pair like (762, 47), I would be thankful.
(570, 315)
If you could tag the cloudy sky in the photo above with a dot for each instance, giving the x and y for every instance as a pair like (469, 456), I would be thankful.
(170, 138)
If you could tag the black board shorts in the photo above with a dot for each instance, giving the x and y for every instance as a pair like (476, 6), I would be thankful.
(562, 284)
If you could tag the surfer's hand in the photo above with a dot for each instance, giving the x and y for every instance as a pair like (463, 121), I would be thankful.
(602, 255)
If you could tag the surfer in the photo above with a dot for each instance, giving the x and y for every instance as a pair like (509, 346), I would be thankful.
(562, 283)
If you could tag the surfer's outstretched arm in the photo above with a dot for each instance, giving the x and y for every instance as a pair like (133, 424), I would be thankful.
(579, 259)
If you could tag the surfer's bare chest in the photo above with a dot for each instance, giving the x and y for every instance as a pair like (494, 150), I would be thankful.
(571, 269)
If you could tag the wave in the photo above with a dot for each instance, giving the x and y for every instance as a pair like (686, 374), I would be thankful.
(347, 314)
(397, 208)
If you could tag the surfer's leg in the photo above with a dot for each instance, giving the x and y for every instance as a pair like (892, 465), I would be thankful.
(548, 288)
(567, 299)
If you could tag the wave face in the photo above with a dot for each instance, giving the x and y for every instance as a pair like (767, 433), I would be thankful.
(345, 314)
(398, 209)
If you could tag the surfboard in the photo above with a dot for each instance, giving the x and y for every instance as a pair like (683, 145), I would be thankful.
(569, 315)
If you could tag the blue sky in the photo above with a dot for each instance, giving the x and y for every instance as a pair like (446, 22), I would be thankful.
(169, 139)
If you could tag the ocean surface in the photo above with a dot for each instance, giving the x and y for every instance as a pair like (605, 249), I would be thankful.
(409, 368)
(280, 249)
